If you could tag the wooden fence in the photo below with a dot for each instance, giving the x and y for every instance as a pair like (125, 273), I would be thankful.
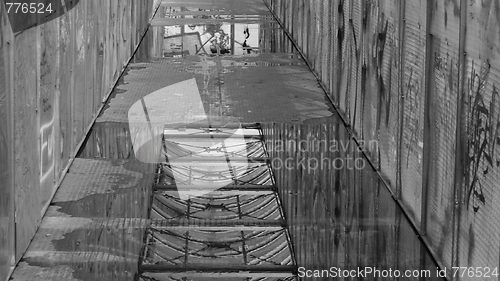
(338, 211)
(54, 79)
(419, 77)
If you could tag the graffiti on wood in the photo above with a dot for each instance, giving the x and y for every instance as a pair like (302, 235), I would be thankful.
(483, 134)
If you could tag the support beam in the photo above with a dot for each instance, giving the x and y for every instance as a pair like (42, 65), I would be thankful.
(213, 124)
(219, 268)
(204, 135)
(220, 228)
(227, 188)
(205, 224)
(217, 193)
(240, 275)
(218, 160)
(188, 21)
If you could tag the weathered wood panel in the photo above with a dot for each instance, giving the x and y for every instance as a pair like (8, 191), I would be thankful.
(79, 105)
(338, 211)
(326, 34)
(108, 142)
(412, 105)
(419, 77)
(66, 83)
(49, 106)
(355, 43)
(90, 64)
(441, 111)
(26, 142)
(60, 72)
(479, 237)
(7, 241)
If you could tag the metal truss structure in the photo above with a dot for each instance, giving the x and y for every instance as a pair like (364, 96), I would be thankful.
(215, 212)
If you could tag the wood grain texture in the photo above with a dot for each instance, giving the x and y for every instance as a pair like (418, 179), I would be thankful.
(79, 87)
(49, 91)
(26, 142)
(441, 113)
(420, 78)
(7, 242)
(479, 239)
(412, 85)
(337, 216)
(66, 82)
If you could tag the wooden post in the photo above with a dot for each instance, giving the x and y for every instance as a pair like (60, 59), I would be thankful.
(461, 139)
(10, 145)
(402, 26)
(233, 36)
(427, 153)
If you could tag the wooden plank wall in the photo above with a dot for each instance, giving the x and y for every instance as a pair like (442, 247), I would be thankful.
(440, 126)
(420, 78)
(479, 237)
(339, 216)
(6, 156)
(53, 81)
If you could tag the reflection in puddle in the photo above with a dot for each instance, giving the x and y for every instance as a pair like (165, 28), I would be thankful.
(212, 32)
(211, 39)
(340, 216)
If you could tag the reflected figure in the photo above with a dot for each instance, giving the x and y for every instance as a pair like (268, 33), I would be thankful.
(220, 42)
(245, 45)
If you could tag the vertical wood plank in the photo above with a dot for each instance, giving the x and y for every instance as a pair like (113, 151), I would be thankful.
(27, 170)
(7, 208)
(440, 125)
(81, 56)
(49, 90)
(66, 77)
(478, 234)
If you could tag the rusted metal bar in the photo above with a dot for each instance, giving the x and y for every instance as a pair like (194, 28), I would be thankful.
(192, 223)
(460, 140)
(227, 188)
(243, 244)
(189, 160)
(203, 135)
(214, 124)
(249, 187)
(218, 268)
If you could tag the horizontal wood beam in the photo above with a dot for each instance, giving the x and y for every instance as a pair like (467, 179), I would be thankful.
(240, 224)
(224, 193)
(217, 13)
(188, 21)
(227, 188)
(229, 268)
(214, 160)
(220, 228)
(208, 136)
(213, 124)
(239, 275)
(177, 126)
(204, 143)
